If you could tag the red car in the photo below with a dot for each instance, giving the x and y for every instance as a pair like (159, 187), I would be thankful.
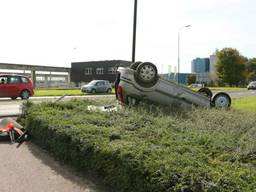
(16, 86)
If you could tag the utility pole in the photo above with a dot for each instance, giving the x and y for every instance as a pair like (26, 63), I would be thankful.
(134, 31)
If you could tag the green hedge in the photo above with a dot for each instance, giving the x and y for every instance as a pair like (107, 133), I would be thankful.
(151, 149)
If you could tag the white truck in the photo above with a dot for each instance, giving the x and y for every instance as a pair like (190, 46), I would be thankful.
(141, 82)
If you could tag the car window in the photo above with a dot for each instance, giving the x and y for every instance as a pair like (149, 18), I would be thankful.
(100, 83)
(14, 79)
(92, 83)
(24, 80)
(3, 80)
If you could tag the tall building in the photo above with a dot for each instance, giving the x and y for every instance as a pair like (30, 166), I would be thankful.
(201, 68)
(200, 65)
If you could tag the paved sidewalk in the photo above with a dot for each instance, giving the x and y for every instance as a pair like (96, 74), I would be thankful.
(30, 169)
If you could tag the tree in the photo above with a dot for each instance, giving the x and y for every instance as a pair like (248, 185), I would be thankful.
(250, 68)
(191, 78)
(230, 66)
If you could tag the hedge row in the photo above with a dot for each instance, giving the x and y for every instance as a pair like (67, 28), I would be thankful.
(151, 150)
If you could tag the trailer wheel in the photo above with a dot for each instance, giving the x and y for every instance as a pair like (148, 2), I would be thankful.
(205, 91)
(221, 101)
(146, 74)
(135, 65)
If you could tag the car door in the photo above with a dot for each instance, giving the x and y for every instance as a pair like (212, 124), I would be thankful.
(13, 86)
(3, 87)
(100, 86)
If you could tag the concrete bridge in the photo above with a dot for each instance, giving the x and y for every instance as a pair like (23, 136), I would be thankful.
(47, 72)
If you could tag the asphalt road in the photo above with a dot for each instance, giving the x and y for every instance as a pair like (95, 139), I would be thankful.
(30, 169)
(238, 94)
(10, 107)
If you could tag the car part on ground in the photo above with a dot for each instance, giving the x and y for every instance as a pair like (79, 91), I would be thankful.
(59, 99)
(107, 108)
(143, 84)
(15, 131)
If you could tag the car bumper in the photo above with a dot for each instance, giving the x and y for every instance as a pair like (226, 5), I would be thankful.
(85, 90)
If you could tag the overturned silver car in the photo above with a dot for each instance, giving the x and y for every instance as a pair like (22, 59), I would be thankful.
(141, 82)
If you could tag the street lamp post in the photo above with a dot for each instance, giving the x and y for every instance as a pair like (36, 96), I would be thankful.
(179, 50)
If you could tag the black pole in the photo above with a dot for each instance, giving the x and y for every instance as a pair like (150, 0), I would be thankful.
(134, 31)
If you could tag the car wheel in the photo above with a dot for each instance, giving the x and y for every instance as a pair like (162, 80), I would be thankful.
(13, 98)
(93, 91)
(135, 65)
(221, 101)
(205, 91)
(109, 91)
(146, 74)
(24, 94)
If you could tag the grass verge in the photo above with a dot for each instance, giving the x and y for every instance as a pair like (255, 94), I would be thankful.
(58, 92)
(245, 103)
(151, 149)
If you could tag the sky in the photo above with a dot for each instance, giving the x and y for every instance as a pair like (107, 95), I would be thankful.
(58, 32)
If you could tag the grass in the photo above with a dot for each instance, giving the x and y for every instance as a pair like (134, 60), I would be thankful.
(245, 103)
(149, 148)
(58, 92)
(223, 89)
(228, 88)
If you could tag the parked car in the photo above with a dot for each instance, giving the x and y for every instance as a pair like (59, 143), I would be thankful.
(141, 82)
(196, 85)
(252, 85)
(14, 86)
(97, 86)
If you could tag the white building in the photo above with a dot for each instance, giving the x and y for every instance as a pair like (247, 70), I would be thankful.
(213, 61)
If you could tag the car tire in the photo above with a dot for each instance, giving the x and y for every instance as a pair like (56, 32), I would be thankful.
(221, 101)
(135, 65)
(13, 98)
(146, 74)
(25, 94)
(109, 91)
(205, 91)
(93, 91)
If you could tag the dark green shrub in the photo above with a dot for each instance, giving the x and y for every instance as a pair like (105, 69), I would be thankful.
(151, 149)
